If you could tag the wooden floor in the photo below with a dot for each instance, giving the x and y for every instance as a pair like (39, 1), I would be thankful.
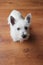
(28, 52)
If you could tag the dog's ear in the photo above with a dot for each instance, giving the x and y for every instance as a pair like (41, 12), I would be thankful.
(12, 20)
(28, 17)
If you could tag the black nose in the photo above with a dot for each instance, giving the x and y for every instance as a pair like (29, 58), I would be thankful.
(24, 36)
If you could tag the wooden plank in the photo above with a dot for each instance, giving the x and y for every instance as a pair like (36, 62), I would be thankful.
(29, 52)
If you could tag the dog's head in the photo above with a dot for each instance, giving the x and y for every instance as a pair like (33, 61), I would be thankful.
(20, 26)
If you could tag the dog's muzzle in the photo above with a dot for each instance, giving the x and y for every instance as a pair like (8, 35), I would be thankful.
(24, 36)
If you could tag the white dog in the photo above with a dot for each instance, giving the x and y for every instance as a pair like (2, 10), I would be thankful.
(19, 26)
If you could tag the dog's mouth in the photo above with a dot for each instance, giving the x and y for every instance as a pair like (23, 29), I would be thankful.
(24, 37)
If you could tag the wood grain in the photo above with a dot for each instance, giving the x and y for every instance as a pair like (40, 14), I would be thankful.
(29, 52)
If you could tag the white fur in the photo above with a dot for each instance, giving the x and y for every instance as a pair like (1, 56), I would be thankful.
(21, 23)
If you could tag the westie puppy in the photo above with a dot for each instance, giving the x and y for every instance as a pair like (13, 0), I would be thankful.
(19, 26)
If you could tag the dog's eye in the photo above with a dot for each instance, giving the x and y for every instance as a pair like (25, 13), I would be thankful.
(18, 28)
(26, 28)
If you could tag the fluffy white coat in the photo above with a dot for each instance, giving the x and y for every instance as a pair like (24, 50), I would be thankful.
(19, 26)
